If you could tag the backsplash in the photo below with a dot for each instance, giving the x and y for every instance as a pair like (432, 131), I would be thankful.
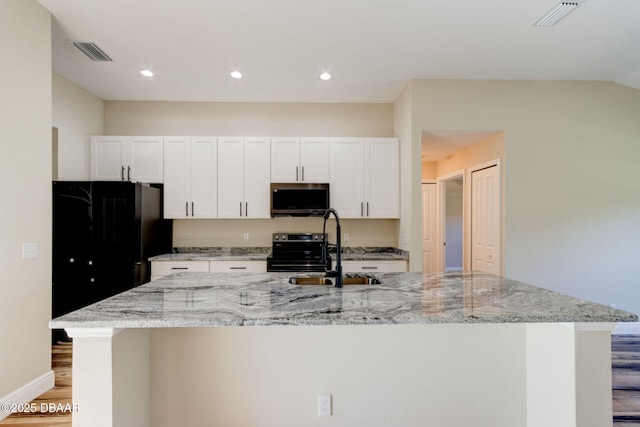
(206, 233)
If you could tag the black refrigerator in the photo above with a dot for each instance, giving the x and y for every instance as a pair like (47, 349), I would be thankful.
(103, 236)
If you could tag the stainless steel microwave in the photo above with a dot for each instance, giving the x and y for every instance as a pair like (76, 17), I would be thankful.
(296, 199)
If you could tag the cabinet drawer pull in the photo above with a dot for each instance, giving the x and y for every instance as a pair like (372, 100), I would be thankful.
(237, 268)
(179, 268)
(369, 267)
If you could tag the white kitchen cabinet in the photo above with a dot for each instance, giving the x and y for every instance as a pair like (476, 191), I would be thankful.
(374, 266)
(224, 266)
(164, 268)
(190, 184)
(300, 160)
(127, 158)
(243, 177)
(365, 177)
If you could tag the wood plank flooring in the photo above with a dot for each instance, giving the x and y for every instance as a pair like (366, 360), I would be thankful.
(625, 356)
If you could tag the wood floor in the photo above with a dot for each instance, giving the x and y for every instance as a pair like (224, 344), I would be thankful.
(625, 355)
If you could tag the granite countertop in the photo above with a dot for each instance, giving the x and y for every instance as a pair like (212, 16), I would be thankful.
(261, 253)
(245, 299)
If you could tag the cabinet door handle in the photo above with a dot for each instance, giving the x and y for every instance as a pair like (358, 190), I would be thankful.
(186, 208)
(246, 208)
(297, 173)
(240, 208)
(367, 208)
(237, 268)
(128, 173)
(122, 174)
(361, 209)
(192, 209)
(303, 174)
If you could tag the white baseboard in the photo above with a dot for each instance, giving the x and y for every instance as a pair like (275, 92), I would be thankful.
(28, 392)
(627, 328)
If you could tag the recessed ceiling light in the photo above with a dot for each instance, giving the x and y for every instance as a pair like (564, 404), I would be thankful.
(236, 74)
(147, 73)
(325, 76)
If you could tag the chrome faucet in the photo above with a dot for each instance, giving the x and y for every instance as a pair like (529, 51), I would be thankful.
(337, 273)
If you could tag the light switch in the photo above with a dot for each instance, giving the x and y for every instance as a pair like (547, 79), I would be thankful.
(29, 250)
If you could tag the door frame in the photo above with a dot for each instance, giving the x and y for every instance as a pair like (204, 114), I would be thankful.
(441, 217)
(468, 256)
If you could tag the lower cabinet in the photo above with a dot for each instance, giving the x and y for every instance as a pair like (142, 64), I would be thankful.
(374, 266)
(163, 268)
(238, 266)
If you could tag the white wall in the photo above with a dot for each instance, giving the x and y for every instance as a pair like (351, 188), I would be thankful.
(572, 188)
(77, 114)
(25, 171)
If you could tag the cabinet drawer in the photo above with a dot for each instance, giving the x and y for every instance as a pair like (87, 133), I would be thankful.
(374, 266)
(162, 268)
(238, 266)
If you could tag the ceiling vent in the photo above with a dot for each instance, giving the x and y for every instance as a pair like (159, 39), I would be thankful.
(556, 13)
(92, 51)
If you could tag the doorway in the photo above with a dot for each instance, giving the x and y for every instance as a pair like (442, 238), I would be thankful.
(451, 222)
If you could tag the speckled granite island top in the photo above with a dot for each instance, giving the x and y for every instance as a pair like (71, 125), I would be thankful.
(244, 299)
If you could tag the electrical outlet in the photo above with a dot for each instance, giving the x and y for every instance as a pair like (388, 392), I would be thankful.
(245, 237)
(29, 250)
(324, 405)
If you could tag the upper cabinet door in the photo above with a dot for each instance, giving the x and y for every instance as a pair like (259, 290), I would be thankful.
(256, 178)
(144, 163)
(204, 177)
(314, 160)
(107, 154)
(176, 177)
(230, 177)
(346, 189)
(382, 178)
(127, 158)
(285, 159)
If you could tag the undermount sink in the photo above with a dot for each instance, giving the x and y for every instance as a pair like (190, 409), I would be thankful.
(330, 281)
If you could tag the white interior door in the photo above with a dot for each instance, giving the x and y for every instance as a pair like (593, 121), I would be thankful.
(485, 220)
(429, 264)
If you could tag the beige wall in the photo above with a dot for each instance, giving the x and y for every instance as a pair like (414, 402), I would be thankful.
(572, 188)
(77, 114)
(25, 170)
(257, 119)
(378, 375)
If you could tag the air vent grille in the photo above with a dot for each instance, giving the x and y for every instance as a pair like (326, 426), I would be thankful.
(556, 13)
(92, 51)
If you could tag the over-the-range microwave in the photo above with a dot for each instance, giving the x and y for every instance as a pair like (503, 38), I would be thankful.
(298, 199)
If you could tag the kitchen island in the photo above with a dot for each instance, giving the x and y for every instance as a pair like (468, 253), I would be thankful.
(453, 349)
